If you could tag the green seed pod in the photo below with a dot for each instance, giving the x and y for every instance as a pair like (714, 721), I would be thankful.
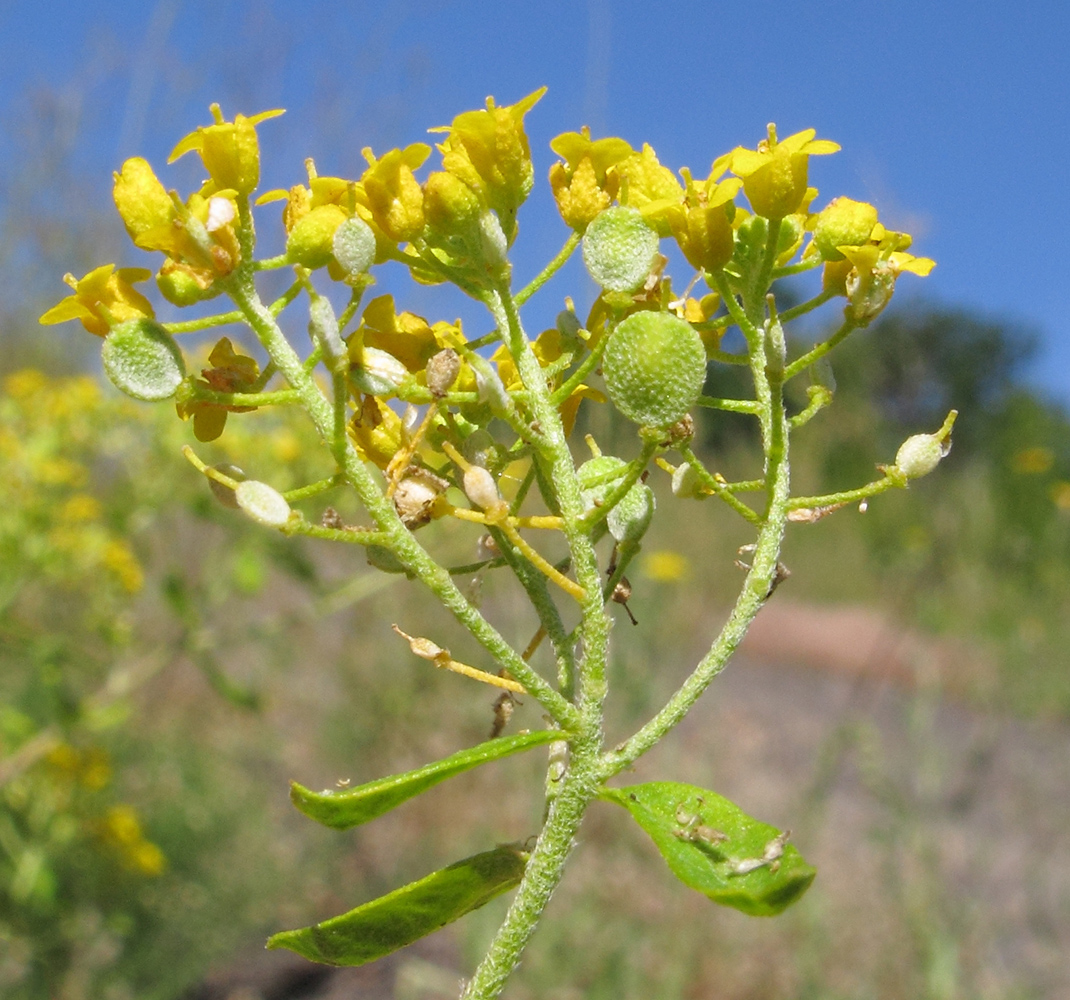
(354, 246)
(263, 503)
(844, 222)
(629, 519)
(919, 454)
(181, 289)
(620, 249)
(141, 359)
(654, 366)
(311, 241)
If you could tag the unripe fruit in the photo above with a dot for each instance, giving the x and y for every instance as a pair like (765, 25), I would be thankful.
(180, 288)
(262, 503)
(844, 222)
(620, 249)
(311, 241)
(141, 358)
(654, 366)
(919, 455)
(629, 519)
(353, 245)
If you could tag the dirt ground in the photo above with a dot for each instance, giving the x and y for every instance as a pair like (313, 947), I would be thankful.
(939, 830)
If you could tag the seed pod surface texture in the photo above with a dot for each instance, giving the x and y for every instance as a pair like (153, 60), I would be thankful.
(654, 367)
(620, 249)
(141, 358)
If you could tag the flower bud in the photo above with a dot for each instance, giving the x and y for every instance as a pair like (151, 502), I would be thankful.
(620, 249)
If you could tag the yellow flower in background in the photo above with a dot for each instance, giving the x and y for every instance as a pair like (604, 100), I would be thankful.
(104, 296)
(1033, 461)
(665, 566)
(775, 174)
(648, 186)
(230, 151)
(121, 828)
(585, 184)
(488, 150)
(395, 197)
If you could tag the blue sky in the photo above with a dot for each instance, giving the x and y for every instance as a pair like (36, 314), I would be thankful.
(953, 116)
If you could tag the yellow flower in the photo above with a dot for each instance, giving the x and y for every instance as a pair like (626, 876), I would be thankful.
(405, 336)
(488, 150)
(198, 237)
(394, 195)
(103, 297)
(871, 281)
(141, 199)
(702, 223)
(230, 151)
(585, 184)
(775, 174)
(648, 186)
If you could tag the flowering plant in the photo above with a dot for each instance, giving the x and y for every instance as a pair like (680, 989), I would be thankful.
(424, 422)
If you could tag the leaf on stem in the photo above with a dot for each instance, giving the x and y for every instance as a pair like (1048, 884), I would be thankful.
(711, 845)
(352, 806)
(407, 914)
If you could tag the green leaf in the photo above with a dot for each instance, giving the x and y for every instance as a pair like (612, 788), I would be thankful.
(409, 913)
(352, 806)
(713, 846)
(142, 359)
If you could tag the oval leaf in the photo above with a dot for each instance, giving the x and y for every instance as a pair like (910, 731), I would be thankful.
(353, 806)
(407, 914)
(713, 846)
(141, 358)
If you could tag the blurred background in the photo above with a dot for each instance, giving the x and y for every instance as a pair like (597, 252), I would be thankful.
(903, 704)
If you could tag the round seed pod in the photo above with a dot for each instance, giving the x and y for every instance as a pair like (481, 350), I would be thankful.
(141, 359)
(311, 241)
(629, 519)
(354, 245)
(620, 249)
(920, 454)
(180, 288)
(654, 366)
(262, 503)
